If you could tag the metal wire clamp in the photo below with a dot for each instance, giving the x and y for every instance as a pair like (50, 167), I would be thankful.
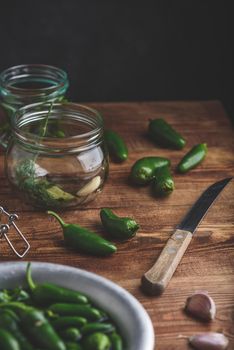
(4, 230)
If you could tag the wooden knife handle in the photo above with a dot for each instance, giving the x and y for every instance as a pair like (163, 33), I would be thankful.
(157, 278)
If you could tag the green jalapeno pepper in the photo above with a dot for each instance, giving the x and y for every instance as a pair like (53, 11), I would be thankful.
(97, 327)
(116, 341)
(116, 145)
(84, 240)
(8, 341)
(97, 341)
(143, 169)
(53, 129)
(119, 228)
(19, 294)
(48, 293)
(73, 346)
(191, 159)
(86, 311)
(4, 296)
(163, 183)
(68, 321)
(10, 321)
(36, 326)
(71, 334)
(164, 135)
(8, 315)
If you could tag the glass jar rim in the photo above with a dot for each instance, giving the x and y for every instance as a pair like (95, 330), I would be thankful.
(58, 75)
(86, 140)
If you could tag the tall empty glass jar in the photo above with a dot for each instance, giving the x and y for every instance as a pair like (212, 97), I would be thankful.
(57, 156)
(27, 84)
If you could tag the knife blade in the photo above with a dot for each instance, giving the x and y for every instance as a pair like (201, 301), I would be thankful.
(157, 278)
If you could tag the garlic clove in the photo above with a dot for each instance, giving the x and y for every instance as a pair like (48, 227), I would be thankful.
(90, 187)
(209, 341)
(201, 305)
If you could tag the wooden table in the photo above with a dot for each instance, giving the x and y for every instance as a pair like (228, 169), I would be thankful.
(209, 262)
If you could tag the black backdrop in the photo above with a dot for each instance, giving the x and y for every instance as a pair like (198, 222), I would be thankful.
(126, 50)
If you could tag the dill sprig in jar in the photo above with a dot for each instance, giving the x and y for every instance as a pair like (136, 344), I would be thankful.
(27, 84)
(57, 156)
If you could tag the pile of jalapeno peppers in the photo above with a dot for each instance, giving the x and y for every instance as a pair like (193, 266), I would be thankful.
(153, 169)
(156, 170)
(164, 135)
(49, 317)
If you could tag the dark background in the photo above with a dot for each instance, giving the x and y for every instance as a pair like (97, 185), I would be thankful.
(126, 50)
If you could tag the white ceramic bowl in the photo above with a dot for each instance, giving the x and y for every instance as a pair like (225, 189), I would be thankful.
(130, 316)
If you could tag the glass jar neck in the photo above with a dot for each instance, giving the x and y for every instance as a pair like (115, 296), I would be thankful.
(76, 116)
(32, 83)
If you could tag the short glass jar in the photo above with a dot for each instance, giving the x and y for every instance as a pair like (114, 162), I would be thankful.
(57, 156)
(27, 84)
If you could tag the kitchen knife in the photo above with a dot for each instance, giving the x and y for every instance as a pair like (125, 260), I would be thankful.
(157, 278)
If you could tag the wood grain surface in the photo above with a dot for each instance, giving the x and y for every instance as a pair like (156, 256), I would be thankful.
(208, 263)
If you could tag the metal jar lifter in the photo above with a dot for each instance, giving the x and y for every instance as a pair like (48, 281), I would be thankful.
(5, 231)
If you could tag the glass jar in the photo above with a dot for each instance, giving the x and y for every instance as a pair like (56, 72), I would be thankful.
(57, 156)
(27, 84)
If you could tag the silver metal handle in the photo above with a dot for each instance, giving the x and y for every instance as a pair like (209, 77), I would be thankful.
(4, 231)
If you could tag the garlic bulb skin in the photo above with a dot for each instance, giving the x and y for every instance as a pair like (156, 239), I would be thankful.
(209, 341)
(201, 305)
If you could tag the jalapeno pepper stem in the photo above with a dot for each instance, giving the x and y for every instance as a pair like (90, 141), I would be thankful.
(60, 220)
(29, 279)
(44, 128)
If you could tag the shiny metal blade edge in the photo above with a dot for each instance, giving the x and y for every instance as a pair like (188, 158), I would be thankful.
(201, 206)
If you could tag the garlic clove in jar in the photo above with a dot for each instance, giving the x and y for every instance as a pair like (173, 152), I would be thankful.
(201, 305)
(90, 187)
(209, 341)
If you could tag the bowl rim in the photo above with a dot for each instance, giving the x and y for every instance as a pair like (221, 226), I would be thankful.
(143, 320)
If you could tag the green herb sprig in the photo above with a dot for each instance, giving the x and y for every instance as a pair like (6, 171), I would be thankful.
(43, 192)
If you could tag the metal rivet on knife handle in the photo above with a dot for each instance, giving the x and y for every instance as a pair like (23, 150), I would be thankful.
(157, 278)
